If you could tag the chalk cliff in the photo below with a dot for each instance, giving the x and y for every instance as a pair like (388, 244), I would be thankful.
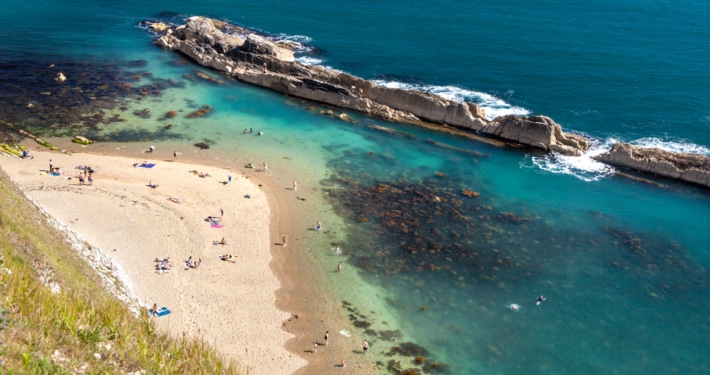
(256, 59)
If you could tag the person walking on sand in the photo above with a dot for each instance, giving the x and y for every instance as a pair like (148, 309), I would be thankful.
(295, 186)
(318, 225)
(51, 165)
(325, 338)
(315, 347)
(340, 267)
(154, 310)
(229, 177)
(174, 155)
(221, 212)
(283, 241)
(365, 346)
(91, 179)
(342, 362)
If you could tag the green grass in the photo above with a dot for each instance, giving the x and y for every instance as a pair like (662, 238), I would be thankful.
(80, 329)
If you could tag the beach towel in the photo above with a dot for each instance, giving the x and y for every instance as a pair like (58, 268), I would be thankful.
(149, 165)
(216, 226)
(161, 311)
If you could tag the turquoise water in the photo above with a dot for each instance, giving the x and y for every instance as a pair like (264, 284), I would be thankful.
(623, 264)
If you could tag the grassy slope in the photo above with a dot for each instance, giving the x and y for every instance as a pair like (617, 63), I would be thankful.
(81, 329)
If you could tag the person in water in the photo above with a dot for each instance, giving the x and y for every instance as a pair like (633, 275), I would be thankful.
(540, 299)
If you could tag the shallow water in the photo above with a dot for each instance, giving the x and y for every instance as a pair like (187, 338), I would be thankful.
(623, 264)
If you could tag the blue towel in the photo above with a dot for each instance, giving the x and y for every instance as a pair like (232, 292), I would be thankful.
(161, 312)
(149, 165)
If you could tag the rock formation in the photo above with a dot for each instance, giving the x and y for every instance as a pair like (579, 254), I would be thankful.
(256, 59)
(253, 58)
(682, 166)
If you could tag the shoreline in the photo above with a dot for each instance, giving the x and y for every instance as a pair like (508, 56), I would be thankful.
(293, 294)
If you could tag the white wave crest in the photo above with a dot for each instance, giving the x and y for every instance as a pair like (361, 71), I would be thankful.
(582, 167)
(673, 146)
(308, 60)
(493, 105)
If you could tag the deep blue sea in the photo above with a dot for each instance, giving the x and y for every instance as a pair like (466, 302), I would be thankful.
(624, 265)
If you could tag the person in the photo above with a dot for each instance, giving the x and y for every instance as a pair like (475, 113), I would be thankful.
(315, 347)
(151, 148)
(91, 179)
(342, 362)
(260, 133)
(155, 309)
(318, 225)
(174, 155)
(50, 165)
(251, 130)
(264, 67)
(266, 167)
(283, 241)
(152, 184)
(295, 185)
(540, 299)
(365, 345)
(325, 338)
(229, 177)
(245, 131)
(514, 307)
(223, 241)
(81, 179)
(340, 267)
(221, 212)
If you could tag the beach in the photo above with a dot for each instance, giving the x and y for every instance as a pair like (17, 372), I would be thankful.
(257, 307)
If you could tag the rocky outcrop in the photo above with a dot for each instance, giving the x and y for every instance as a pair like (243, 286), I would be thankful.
(537, 131)
(256, 59)
(682, 166)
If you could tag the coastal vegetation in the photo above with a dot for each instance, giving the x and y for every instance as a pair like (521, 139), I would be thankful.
(57, 319)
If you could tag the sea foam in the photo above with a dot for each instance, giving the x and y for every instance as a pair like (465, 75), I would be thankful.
(493, 105)
(672, 145)
(582, 167)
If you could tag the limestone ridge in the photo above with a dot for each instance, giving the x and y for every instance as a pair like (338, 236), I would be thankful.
(682, 166)
(259, 61)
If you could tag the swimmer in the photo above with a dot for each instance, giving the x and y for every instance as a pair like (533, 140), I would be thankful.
(540, 299)
(514, 307)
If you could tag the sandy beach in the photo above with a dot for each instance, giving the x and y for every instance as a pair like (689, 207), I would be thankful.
(230, 303)
(266, 323)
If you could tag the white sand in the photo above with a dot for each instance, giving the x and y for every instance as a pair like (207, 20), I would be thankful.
(230, 305)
